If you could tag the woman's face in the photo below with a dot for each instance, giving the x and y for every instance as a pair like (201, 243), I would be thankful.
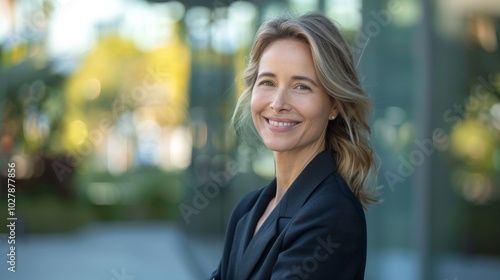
(289, 107)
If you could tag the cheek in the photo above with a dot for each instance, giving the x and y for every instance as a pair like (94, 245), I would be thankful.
(318, 112)
(254, 109)
(255, 103)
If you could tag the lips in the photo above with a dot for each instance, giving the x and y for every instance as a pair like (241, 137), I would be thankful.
(275, 123)
(280, 124)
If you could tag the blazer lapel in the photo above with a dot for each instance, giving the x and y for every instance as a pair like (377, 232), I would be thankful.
(255, 250)
(254, 246)
(311, 177)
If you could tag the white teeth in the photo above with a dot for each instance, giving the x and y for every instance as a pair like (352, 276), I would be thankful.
(281, 123)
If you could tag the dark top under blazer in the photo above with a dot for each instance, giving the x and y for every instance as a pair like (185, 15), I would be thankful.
(317, 231)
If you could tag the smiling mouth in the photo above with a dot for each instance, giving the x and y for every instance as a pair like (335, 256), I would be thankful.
(280, 124)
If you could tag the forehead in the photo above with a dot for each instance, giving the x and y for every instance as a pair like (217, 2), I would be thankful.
(287, 55)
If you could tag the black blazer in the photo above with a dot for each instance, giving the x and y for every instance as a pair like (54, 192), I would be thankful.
(317, 231)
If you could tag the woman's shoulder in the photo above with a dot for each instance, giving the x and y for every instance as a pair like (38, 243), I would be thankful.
(333, 203)
(331, 210)
(335, 191)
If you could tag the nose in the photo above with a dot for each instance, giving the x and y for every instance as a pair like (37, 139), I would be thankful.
(280, 101)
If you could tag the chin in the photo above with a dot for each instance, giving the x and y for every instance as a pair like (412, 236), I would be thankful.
(276, 146)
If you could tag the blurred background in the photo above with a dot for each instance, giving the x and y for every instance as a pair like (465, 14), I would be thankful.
(115, 113)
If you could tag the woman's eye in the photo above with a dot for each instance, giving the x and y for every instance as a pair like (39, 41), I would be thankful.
(303, 87)
(266, 83)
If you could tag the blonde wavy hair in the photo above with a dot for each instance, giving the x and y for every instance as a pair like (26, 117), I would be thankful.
(347, 137)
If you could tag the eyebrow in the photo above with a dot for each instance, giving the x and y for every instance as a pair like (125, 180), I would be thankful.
(272, 75)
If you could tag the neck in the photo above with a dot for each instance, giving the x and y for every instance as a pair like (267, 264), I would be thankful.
(289, 165)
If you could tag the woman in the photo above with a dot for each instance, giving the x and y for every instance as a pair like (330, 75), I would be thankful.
(307, 105)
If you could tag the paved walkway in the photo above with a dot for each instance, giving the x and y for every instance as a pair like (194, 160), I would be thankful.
(158, 250)
(112, 251)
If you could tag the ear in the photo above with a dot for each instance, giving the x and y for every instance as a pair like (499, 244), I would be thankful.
(335, 108)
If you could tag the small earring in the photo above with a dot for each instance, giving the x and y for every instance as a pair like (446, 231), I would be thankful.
(331, 118)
